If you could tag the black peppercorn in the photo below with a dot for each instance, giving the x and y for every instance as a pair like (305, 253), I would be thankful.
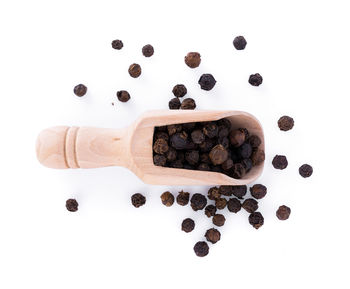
(187, 225)
(117, 44)
(207, 81)
(234, 205)
(218, 155)
(214, 193)
(147, 50)
(159, 160)
(197, 136)
(189, 127)
(239, 42)
(258, 191)
(285, 123)
(188, 103)
(255, 79)
(207, 145)
(123, 95)
(160, 146)
(254, 141)
(174, 128)
(248, 164)
(203, 167)
(193, 59)
(227, 165)
(80, 90)
(219, 220)
(245, 150)
(305, 171)
(174, 103)
(250, 205)
(179, 90)
(171, 154)
(280, 162)
(283, 213)
(177, 164)
(162, 135)
(192, 157)
(201, 249)
(183, 198)
(134, 70)
(210, 210)
(237, 137)
(220, 203)
(256, 219)
(258, 157)
(198, 202)
(72, 205)
(211, 130)
(239, 191)
(212, 235)
(238, 171)
(138, 200)
(167, 199)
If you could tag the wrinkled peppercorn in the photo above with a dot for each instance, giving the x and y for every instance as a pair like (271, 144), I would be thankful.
(234, 205)
(211, 130)
(207, 145)
(245, 150)
(167, 199)
(256, 220)
(179, 141)
(254, 141)
(220, 203)
(179, 90)
(197, 136)
(258, 157)
(174, 103)
(258, 191)
(198, 202)
(147, 50)
(207, 81)
(160, 146)
(193, 59)
(72, 205)
(210, 210)
(201, 249)
(188, 103)
(224, 122)
(80, 90)
(219, 220)
(192, 157)
(238, 171)
(239, 191)
(285, 123)
(226, 190)
(237, 137)
(239, 42)
(218, 155)
(161, 134)
(255, 79)
(138, 200)
(174, 128)
(250, 205)
(280, 162)
(117, 44)
(214, 193)
(187, 225)
(134, 70)
(159, 160)
(223, 132)
(305, 170)
(177, 164)
(123, 95)
(227, 165)
(283, 213)
(189, 127)
(171, 154)
(212, 235)
(248, 164)
(183, 198)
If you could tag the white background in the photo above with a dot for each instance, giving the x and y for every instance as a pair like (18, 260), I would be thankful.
(301, 48)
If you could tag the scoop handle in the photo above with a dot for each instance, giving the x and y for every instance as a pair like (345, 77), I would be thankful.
(64, 147)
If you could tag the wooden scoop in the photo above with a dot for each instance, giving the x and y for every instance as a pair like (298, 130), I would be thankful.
(65, 147)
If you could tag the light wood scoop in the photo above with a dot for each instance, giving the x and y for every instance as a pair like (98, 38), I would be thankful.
(64, 147)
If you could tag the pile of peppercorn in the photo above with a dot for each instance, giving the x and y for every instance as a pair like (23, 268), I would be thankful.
(207, 146)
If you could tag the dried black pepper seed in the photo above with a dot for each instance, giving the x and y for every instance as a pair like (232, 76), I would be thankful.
(285, 123)
(193, 59)
(201, 249)
(189, 127)
(171, 154)
(234, 205)
(224, 122)
(305, 170)
(227, 165)
(255, 79)
(183, 198)
(207, 145)
(246, 132)
(147, 50)
(211, 130)
(162, 128)
(179, 141)
(245, 150)
(224, 142)
(192, 157)
(210, 210)
(198, 202)
(174, 103)
(207, 81)
(239, 42)
(254, 141)
(223, 132)
(239, 191)
(174, 128)
(167, 199)
(203, 167)
(218, 155)
(179, 90)
(159, 160)
(160, 146)
(188, 103)
(250, 205)
(256, 219)
(258, 157)
(72, 205)
(134, 70)
(258, 191)
(177, 164)
(212, 235)
(238, 171)
(283, 213)
(80, 90)
(162, 135)
(220, 203)
(280, 162)
(219, 220)
(237, 137)
(187, 225)
(226, 190)
(138, 200)
(214, 193)
(123, 95)
(248, 164)
(117, 44)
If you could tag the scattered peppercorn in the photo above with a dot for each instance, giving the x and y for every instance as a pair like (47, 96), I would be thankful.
(239, 191)
(72, 205)
(123, 95)
(198, 202)
(193, 59)
(258, 191)
(188, 103)
(80, 90)
(234, 205)
(214, 193)
(201, 249)
(117, 44)
(255, 79)
(210, 211)
(134, 70)
(212, 235)
(147, 50)
(174, 103)
(207, 81)
(280, 162)
(283, 213)
(219, 220)
(226, 190)
(305, 170)
(183, 198)
(250, 205)
(167, 199)
(138, 200)
(239, 42)
(220, 203)
(187, 225)
(285, 123)
(256, 219)
(179, 90)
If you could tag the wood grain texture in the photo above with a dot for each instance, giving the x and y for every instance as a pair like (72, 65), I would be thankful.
(87, 147)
